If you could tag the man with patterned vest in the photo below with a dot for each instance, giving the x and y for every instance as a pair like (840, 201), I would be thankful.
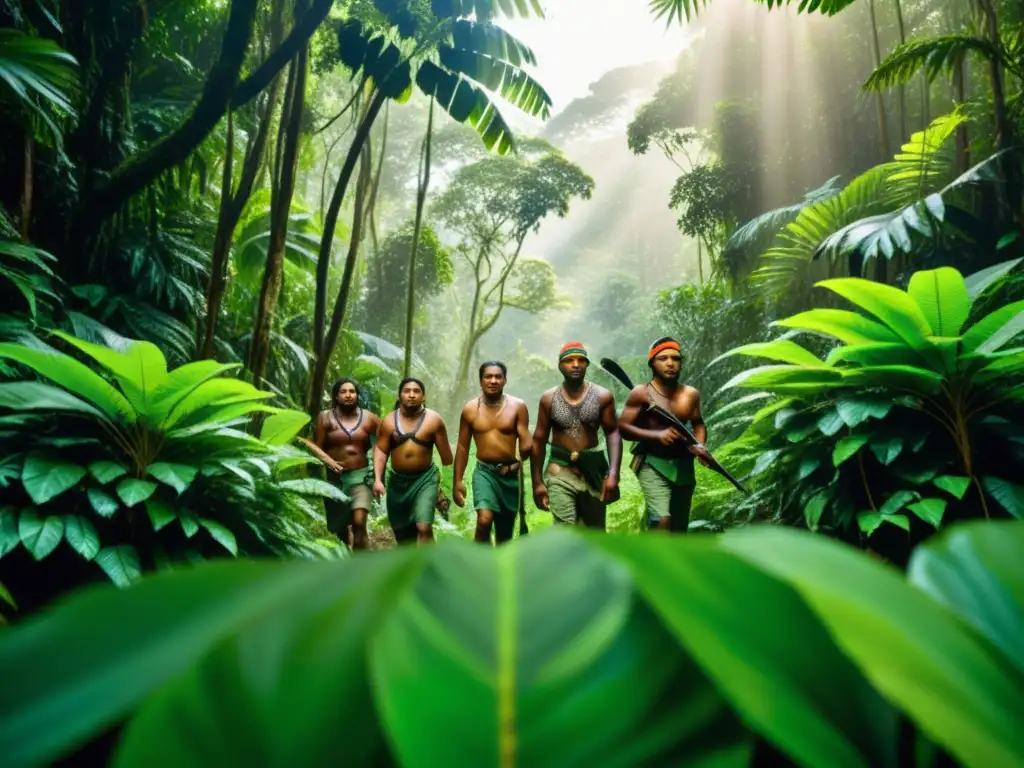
(580, 480)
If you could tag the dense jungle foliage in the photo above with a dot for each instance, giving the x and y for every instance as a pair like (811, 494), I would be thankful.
(210, 210)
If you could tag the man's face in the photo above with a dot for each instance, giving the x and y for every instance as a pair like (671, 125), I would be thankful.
(493, 381)
(574, 367)
(348, 396)
(411, 396)
(667, 365)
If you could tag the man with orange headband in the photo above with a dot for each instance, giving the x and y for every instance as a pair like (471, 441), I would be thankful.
(662, 460)
(579, 481)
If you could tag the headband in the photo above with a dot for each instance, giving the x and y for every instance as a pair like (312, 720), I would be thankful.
(572, 348)
(659, 348)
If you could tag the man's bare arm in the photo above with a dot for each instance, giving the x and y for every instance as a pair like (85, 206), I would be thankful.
(540, 440)
(444, 450)
(700, 430)
(610, 425)
(319, 438)
(381, 449)
(523, 428)
(461, 449)
(631, 412)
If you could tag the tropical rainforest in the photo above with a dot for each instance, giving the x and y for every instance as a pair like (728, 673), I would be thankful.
(213, 210)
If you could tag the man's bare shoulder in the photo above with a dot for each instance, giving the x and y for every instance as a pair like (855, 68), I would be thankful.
(604, 394)
(433, 418)
(469, 410)
(545, 399)
(638, 395)
(387, 422)
(516, 402)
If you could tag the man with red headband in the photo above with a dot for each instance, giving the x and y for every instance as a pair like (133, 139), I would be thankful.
(579, 481)
(662, 460)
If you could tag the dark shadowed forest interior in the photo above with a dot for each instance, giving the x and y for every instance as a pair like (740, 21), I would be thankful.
(727, 296)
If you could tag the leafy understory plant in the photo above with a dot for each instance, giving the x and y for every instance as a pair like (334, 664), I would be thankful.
(260, 661)
(913, 408)
(147, 467)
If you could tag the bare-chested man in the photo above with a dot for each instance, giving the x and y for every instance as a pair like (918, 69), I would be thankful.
(408, 436)
(496, 422)
(662, 460)
(580, 481)
(342, 441)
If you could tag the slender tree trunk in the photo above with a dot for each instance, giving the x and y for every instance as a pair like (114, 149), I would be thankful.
(273, 275)
(902, 89)
(700, 264)
(421, 196)
(323, 266)
(323, 354)
(28, 154)
(232, 205)
(963, 151)
(883, 125)
(139, 171)
(1002, 124)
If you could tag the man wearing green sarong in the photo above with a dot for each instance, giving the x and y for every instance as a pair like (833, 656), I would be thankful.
(408, 436)
(343, 438)
(579, 480)
(662, 460)
(495, 422)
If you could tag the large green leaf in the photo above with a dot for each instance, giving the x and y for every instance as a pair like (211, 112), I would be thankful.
(220, 534)
(311, 486)
(97, 656)
(46, 477)
(102, 502)
(783, 350)
(40, 535)
(139, 370)
(36, 396)
(10, 538)
(942, 296)
(821, 711)
(282, 427)
(74, 376)
(479, 623)
(979, 282)
(131, 490)
(178, 476)
(983, 330)
(1010, 330)
(848, 327)
(82, 536)
(918, 655)
(120, 563)
(214, 392)
(106, 471)
(892, 306)
(778, 377)
(1009, 495)
(182, 381)
(895, 353)
(919, 381)
(249, 639)
(975, 572)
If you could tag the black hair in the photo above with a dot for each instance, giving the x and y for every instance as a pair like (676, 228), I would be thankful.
(401, 386)
(493, 364)
(339, 384)
(656, 342)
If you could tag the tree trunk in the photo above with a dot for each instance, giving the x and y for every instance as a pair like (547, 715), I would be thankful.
(963, 151)
(1002, 123)
(323, 354)
(27, 183)
(902, 89)
(270, 289)
(421, 197)
(883, 126)
(323, 266)
(139, 171)
(231, 208)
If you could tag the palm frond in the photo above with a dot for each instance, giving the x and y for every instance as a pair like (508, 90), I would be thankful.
(798, 242)
(491, 40)
(903, 230)
(33, 65)
(485, 10)
(679, 10)
(926, 161)
(466, 103)
(758, 233)
(933, 54)
(512, 83)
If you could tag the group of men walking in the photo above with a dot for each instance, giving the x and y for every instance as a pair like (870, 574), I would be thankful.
(581, 477)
